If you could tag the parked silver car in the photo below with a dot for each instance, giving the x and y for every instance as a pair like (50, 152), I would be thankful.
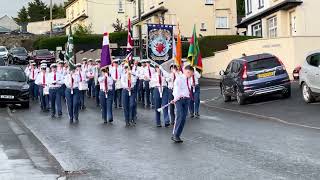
(309, 77)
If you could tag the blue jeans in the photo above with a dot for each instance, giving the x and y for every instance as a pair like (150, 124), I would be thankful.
(63, 90)
(44, 99)
(182, 112)
(147, 92)
(172, 106)
(81, 98)
(97, 92)
(106, 105)
(195, 102)
(33, 90)
(129, 103)
(161, 102)
(72, 103)
(117, 95)
(55, 98)
(90, 87)
(141, 91)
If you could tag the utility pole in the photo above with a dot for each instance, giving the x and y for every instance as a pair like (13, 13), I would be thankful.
(50, 18)
(140, 28)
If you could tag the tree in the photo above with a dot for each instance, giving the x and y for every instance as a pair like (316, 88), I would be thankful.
(22, 16)
(58, 11)
(118, 26)
(38, 10)
(241, 8)
(80, 30)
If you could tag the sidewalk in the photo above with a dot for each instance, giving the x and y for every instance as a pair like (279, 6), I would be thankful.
(20, 156)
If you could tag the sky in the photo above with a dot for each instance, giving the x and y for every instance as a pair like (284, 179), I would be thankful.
(11, 7)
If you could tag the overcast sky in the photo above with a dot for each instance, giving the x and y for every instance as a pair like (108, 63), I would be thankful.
(10, 7)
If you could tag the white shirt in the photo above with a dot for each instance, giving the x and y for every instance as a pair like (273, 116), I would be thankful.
(57, 82)
(84, 67)
(194, 80)
(155, 80)
(96, 74)
(171, 79)
(32, 73)
(181, 88)
(140, 72)
(102, 81)
(42, 79)
(82, 76)
(90, 71)
(148, 73)
(125, 82)
(68, 81)
(114, 71)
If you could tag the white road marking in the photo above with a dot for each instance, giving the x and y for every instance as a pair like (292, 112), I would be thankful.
(208, 100)
(211, 117)
(211, 88)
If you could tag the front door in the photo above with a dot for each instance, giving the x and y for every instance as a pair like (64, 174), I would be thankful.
(293, 27)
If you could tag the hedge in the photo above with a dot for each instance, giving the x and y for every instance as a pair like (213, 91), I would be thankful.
(91, 41)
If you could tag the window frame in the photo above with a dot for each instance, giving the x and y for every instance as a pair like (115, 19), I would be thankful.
(120, 6)
(252, 29)
(273, 28)
(249, 7)
(261, 4)
(227, 22)
(208, 2)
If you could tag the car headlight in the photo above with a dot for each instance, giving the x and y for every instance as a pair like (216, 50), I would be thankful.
(25, 87)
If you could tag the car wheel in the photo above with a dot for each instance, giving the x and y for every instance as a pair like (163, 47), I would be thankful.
(287, 93)
(226, 98)
(240, 98)
(307, 94)
(25, 105)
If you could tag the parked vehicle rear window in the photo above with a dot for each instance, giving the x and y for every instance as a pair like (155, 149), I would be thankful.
(262, 64)
(12, 75)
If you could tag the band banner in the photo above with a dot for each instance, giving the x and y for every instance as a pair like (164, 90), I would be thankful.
(160, 42)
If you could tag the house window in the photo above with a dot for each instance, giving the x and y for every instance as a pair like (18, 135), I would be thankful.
(261, 3)
(203, 27)
(222, 23)
(120, 10)
(134, 9)
(257, 30)
(272, 27)
(142, 6)
(208, 2)
(249, 6)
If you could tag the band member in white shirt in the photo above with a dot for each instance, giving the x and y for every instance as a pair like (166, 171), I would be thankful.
(84, 64)
(32, 74)
(116, 73)
(171, 79)
(83, 85)
(97, 73)
(181, 92)
(55, 80)
(42, 83)
(106, 95)
(141, 88)
(90, 76)
(71, 81)
(195, 100)
(148, 73)
(160, 93)
(60, 70)
(129, 102)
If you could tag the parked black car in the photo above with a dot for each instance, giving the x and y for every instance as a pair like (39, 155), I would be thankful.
(256, 75)
(18, 55)
(2, 62)
(14, 88)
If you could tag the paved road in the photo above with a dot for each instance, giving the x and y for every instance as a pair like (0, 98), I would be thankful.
(22, 156)
(221, 145)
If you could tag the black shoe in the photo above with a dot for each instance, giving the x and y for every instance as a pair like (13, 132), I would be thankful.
(46, 110)
(159, 126)
(127, 124)
(53, 116)
(77, 121)
(111, 120)
(133, 122)
(191, 115)
(84, 107)
(197, 115)
(115, 106)
(105, 122)
(166, 125)
(176, 139)
(172, 123)
(60, 116)
(71, 121)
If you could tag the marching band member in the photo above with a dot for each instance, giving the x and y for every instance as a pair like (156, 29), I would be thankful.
(116, 73)
(136, 69)
(41, 81)
(171, 79)
(32, 73)
(26, 70)
(106, 94)
(71, 81)
(97, 73)
(148, 72)
(141, 88)
(181, 93)
(160, 93)
(84, 64)
(60, 70)
(195, 100)
(55, 80)
(83, 85)
(90, 76)
(128, 81)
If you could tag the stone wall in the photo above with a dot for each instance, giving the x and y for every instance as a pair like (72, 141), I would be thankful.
(10, 41)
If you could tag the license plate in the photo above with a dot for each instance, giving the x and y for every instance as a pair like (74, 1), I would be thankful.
(264, 75)
(7, 97)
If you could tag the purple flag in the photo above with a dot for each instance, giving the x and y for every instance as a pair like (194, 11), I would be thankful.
(105, 52)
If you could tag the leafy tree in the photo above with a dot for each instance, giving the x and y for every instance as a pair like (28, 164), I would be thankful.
(37, 10)
(22, 16)
(241, 8)
(80, 30)
(118, 26)
(58, 11)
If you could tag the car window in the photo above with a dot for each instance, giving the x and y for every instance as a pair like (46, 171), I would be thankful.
(43, 52)
(228, 70)
(262, 64)
(12, 75)
(235, 67)
(2, 49)
(314, 60)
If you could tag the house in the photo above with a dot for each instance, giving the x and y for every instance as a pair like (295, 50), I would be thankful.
(99, 15)
(211, 17)
(288, 29)
(42, 27)
(8, 23)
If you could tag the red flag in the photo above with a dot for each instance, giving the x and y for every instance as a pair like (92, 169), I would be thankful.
(129, 41)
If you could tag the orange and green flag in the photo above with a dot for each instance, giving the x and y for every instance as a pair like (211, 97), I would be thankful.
(179, 50)
(194, 54)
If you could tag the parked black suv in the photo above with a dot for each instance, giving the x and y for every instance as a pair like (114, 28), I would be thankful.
(255, 75)
(18, 55)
